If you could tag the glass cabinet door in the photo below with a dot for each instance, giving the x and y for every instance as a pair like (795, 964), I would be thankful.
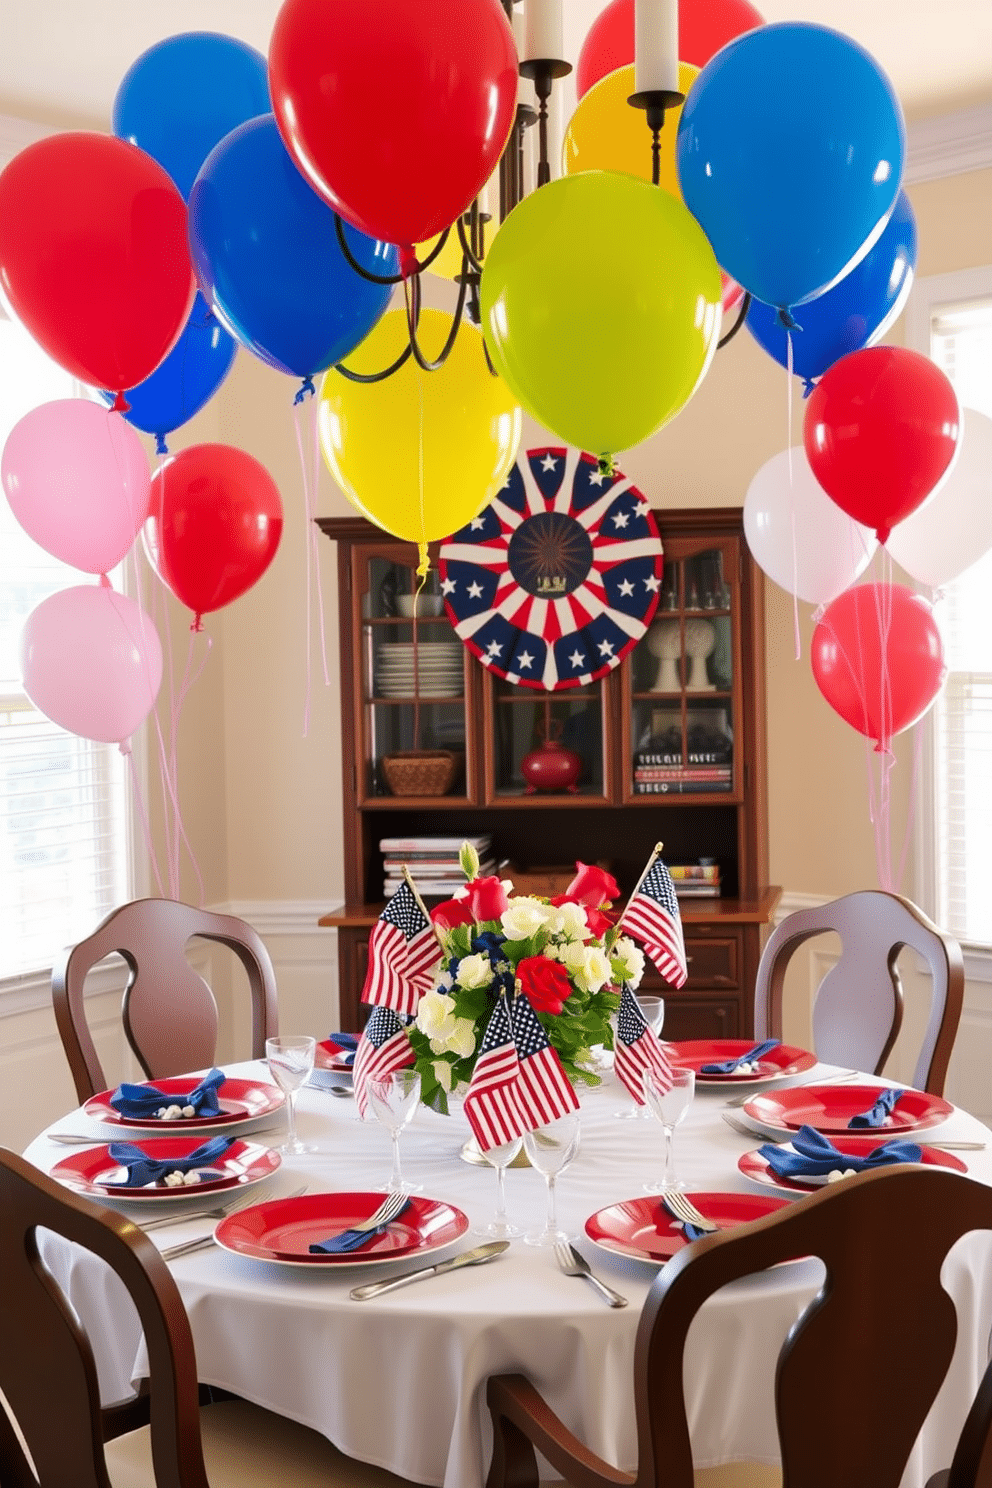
(545, 744)
(412, 670)
(680, 726)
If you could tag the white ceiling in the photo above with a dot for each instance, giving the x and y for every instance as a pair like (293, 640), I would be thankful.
(61, 60)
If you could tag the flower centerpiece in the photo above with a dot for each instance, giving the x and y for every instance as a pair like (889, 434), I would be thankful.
(565, 955)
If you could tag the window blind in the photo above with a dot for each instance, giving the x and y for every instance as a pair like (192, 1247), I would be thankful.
(63, 817)
(961, 344)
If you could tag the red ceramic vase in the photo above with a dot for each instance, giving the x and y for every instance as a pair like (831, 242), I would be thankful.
(551, 768)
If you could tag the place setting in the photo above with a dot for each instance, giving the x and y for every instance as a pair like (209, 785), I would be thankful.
(731, 1062)
(192, 1103)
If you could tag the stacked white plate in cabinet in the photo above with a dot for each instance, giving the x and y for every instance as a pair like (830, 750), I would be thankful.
(439, 669)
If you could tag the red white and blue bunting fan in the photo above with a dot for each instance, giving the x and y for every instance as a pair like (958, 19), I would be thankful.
(558, 578)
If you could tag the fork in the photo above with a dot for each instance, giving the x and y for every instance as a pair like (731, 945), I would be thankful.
(184, 1247)
(573, 1264)
(685, 1210)
(385, 1214)
(241, 1202)
(840, 1076)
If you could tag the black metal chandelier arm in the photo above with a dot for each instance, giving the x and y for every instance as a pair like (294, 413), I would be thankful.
(741, 318)
(474, 261)
(404, 356)
(411, 293)
(489, 360)
(353, 263)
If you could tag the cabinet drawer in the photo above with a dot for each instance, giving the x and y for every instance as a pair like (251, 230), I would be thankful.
(713, 962)
(700, 1018)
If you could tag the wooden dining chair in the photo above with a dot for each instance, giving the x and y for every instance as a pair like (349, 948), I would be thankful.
(848, 1405)
(858, 1008)
(48, 1379)
(170, 1014)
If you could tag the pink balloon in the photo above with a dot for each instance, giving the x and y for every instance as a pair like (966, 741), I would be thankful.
(78, 481)
(91, 662)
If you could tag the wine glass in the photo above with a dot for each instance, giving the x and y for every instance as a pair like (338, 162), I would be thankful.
(290, 1061)
(653, 1009)
(394, 1098)
(500, 1158)
(550, 1150)
(669, 1097)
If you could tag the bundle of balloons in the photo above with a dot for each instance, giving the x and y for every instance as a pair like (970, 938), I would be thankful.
(273, 203)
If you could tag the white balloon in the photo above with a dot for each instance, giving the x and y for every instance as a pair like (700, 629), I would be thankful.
(799, 536)
(953, 528)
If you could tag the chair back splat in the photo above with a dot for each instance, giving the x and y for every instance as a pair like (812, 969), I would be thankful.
(857, 1012)
(169, 1012)
(848, 1410)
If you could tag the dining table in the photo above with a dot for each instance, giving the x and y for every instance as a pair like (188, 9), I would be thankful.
(398, 1380)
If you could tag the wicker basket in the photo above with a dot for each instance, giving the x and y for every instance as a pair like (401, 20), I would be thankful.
(422, 772)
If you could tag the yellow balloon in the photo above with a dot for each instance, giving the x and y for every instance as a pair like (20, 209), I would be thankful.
(420, 453)
(605, 133)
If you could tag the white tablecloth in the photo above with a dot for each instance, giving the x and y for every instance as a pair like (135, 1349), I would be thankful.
(399, 1381)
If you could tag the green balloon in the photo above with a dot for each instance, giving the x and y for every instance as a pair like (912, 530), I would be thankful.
(601, 304)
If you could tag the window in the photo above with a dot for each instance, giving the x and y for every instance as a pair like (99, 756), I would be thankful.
(951, 321)
(63, 804)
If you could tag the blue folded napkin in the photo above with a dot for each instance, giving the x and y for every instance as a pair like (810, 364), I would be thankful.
(730, 1066)
(816, 1155)
(139, 1101)
(690, 1231)
(883, 1107)
(351, 1239)
(142, 1169)
(347, 1043)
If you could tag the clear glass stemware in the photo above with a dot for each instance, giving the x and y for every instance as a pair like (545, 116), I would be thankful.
(550, 1150)
(653, 1008)
(290, 1061)
(500, 1158)
(394, 1099)
(669, 1098)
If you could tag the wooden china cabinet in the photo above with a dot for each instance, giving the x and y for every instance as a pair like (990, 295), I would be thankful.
(672, 744)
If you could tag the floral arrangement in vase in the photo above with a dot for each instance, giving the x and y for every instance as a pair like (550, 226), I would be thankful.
(565, 955)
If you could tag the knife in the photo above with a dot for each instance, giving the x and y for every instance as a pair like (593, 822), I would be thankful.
(477, 1257)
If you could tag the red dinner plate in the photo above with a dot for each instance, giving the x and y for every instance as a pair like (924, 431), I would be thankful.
(282, 1230)
(240, 1100)
(645, 1229)
(778, 1062)
(92, 1170)
(754, 1166)
(330, 1056)
(830, 1107)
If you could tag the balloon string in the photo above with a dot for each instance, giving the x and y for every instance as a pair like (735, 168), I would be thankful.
(312, 529)
(797, 643)
(914, 790)
(309, 572)
(179, 835)
(139, 800)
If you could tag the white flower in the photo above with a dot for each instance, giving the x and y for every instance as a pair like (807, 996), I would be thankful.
(475, 971)
(455, 1036)
(573, 955)
(442, 1074)
(595, 970)
(524, 918)
(628, 962)
(571, 922)
(433, 1010)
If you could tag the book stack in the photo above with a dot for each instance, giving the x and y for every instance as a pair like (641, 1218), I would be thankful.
(657, 773)
(696, 880)
(433, 863)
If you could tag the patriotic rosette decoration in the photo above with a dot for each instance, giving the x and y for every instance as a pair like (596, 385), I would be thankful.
(558, 578)
(503, 997)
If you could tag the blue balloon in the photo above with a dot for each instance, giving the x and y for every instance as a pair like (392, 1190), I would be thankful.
(268, 260)
(190, 375)
(856, 312)
(790, 156)
(185, 94)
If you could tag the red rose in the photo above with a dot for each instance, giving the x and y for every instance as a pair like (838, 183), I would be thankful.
(451, 913)
(598, 921)
(486, 899)
(592, 886)
(544, 983)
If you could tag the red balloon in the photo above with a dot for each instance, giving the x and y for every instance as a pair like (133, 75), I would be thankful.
(704, 27)
(881, 429)
(878, 658)
(93, 256)
(396, 113)
(213, 526)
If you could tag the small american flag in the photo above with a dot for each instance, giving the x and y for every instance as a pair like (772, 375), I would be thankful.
(638, 1048)
(403, 952)
(652, 917)
(382, 1048)
(518, 1083)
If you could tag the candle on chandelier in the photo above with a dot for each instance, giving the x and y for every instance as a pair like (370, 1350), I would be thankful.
(542, 30)
(525, 85)
(656, 46)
